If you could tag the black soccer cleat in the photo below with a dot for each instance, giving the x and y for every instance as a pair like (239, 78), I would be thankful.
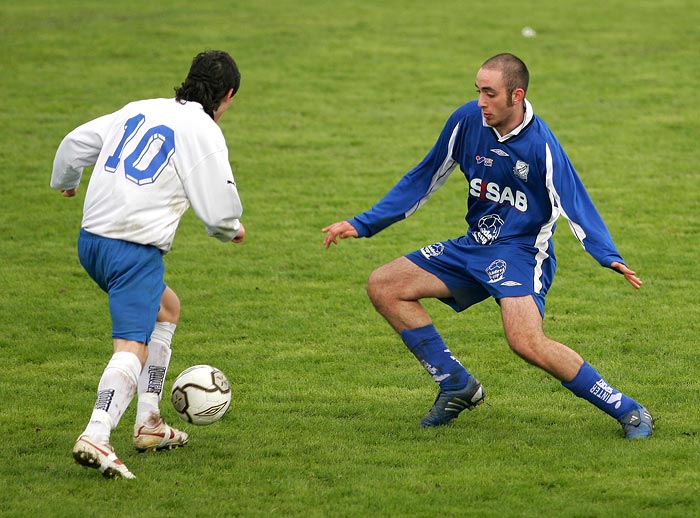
(449, 403)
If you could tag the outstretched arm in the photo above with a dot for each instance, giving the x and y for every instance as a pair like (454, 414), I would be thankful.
(631, 276)
(341, 229)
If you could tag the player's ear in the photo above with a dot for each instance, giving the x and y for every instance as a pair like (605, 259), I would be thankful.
(224, 103)
(227, 97)
(518, 95)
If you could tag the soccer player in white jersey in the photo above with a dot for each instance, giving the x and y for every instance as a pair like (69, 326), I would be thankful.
(520, 181)
(152, 159)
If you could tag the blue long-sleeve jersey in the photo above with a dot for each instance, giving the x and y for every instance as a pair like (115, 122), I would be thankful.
(519, 185)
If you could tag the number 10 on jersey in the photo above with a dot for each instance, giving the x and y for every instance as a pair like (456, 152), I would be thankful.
(145, 163)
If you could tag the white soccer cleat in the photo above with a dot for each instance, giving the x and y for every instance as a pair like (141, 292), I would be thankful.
(100, 456)
(158, 437)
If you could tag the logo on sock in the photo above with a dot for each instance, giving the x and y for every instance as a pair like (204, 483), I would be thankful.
(434, 372)
(156, 376)
(104, 399)
(606, 393)
(452, 357)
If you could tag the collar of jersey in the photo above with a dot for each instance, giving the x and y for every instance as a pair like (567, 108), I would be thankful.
(529, 113)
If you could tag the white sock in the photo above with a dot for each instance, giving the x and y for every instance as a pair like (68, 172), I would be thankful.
(152, 379)
(114, 393)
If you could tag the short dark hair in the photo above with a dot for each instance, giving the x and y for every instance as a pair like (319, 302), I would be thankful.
(515, 73)
(212, 74)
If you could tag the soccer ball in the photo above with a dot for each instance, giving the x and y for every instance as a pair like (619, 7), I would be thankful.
(201, 394)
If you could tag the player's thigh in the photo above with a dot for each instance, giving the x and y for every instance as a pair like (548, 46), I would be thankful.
(135, 298)
(132, 275)
(522, 321)
(403, 279)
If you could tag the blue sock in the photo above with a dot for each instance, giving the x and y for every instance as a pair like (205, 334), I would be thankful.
(591, 386)
(427, 346)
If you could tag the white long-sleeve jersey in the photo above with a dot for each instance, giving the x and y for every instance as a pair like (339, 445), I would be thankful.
(153, 159)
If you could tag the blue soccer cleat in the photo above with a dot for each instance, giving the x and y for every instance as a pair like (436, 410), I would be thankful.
(638, 424)
(449, 403)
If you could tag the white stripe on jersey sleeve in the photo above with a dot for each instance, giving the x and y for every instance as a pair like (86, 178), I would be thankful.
(545, 233)
(440, 176)
(576, 229)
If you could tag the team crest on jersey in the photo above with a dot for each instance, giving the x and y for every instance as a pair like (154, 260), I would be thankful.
(496, 270)
(521, 170)
(432, 250)
(489, 229)
(499, 152)
(488, 162)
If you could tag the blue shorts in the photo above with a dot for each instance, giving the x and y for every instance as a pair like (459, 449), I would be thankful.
(132, 275)
(474, 272)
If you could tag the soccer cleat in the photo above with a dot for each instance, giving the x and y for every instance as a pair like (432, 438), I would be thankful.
(449, 403)
(100, 456)
(158, 437)
(638, 424)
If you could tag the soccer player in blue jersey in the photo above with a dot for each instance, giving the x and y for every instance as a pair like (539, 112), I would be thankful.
(152, 159)
(520, 181)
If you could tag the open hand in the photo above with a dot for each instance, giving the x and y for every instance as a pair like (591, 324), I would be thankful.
(631, 276)
(341, 229)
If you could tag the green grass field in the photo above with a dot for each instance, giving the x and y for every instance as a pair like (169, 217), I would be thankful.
(338, 100)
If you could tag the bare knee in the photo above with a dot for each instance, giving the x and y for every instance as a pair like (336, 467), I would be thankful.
(553, 357)
(131, 346)
(525, 347)
(381, 289)
(522, 323)
(374, 288)
(169, 307)
(529, 342)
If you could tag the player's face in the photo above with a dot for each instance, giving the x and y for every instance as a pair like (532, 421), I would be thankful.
(501, 110)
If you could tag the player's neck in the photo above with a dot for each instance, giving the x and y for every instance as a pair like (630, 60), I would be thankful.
(513, 122)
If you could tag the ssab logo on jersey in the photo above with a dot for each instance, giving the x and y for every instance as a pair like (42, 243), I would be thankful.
(492, 191)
